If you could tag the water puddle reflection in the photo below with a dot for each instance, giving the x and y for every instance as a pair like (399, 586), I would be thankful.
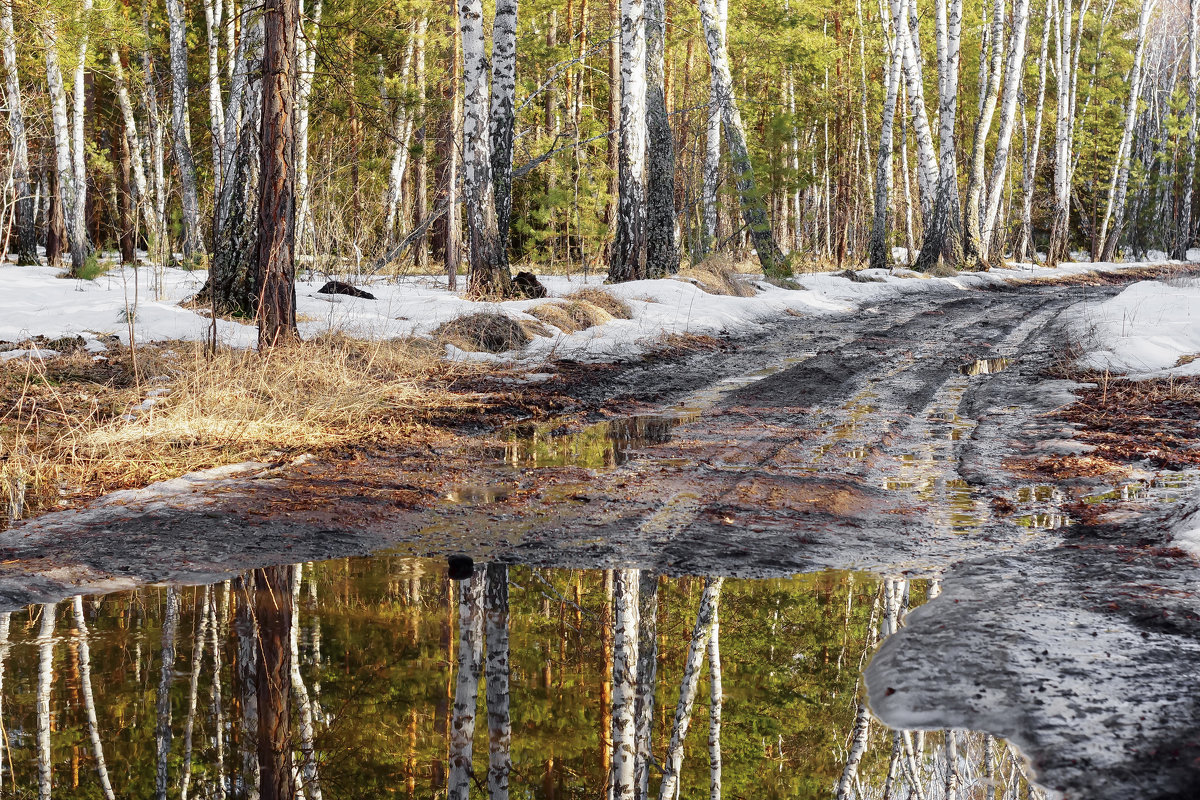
(604, 445)
(382, 677)
(986, 366)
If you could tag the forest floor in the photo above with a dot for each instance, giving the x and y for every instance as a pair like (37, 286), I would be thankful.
(942, 433)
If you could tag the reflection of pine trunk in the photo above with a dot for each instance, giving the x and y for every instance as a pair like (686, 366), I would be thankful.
(687, 688)
(714, 715)
(194, 691)
(273, 612)
(312, 784)
(624, 678)
(466, 695)
(45, 680)
(84, 655)
(247, 669)
(499, 724)
(647, 670)
(162, 705)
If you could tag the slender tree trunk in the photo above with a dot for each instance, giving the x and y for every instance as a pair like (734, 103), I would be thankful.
(858, 747)
(488, 274)
(662, 257)
(614, 113)
(716, 701)
(466, 694)
(754, 211)
(497, 674)
(308, 768)
(402, 128)
(1186, 232)
(974, 244)
(943, 235)
(1025, 249)
(277, 177)
(26, 224)
(155, 137)
(84, 659)
(181, 132)
(448, 230)
(68, 197)
(503, 108)
(647, 679)
(216, 110)
(245, 678)
(307, 56)
(629, 243)
(194, 691)
(879, 252)
(623, 780)
(78, 117)
(273, 612)
(162, 704)
(673, 762)
(712, 143)
(421, 175)
(1119, 185)
(927, 160)
(141, 192)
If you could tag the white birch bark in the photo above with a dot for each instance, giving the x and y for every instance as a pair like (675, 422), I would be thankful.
(45, 640)
(1114, 209)
(311, 784)
(181, 132)
(137, 157)
(623, 779)
(307, 58)
(712, 142)
(858, 747)
(673, 761)
(402, 127)
(64, 160)
(975, 249)
(162, 703)
(647, 678)
(497, 674)
(78, 116)
(1025, 249)
(878, 250)
(246, 633)
(84, 661)
(5, 625)
(1014, 70)
(629, 243)
(503, 108)
(1186, 233)
(466, 692)
(662, 258)
(26, 213)
(216, 112)
(154, 141)
(927, 160)
(716, 701)
(198, 641)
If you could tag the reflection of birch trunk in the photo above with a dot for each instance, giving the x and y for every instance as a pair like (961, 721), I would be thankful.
(273, 612)
(5, 620)
(624, 682)
(45, 680)
(951, 765)
(687, 689)
(893, 767)
(218, 709)
(312, 784)
(714, 714)
(466, 694)
(162, 706)
(194, 691)
(84, 655)
(858, 746)
(647, 668)
(247, 668)
(499, 724)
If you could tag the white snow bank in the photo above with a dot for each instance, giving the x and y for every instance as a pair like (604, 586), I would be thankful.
(38, 301)
(1144, 331)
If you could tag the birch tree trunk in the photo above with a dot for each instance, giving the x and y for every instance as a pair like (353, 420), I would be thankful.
(421, 175)
(754, 210)
(216, 111)
(134, 143)
(78, 117)
(68, 197)
(448, 230)
(5, 625)
(673, 762)
(712, 142)
(246, 633)
(878, 250)
(628, 256)
(974, 246)
(1025, 249)
(662, 257)
(858, 746)
(623, 780)
(943, 235)
(488, 274)
(194, 691)
(647, 679)
(84, 660)
(402, 127)
(154, 137)
(45, 683)
(716, 701)
(927, 161)
(181, 132)
(497, 674)
(503, 108)
(162, 704)
(276, 310)
(1014, 71)
(26, 222)
(307, 56)
(1185, 234)
(1114, 210)
(273, 612)
(466, 693)
(308, 768)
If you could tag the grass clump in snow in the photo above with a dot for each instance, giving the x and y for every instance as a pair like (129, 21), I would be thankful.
(858, 277)
(556, 315)
(488, 332)
(613, 305)
(717, 274)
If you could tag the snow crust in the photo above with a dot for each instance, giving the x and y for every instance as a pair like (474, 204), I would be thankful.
(41, 301)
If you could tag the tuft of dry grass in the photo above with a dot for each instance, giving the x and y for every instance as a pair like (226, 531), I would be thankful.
(615, 306)
(554, 314)
(586, 315)
(717, 274)
(75, 426)
(488, 332)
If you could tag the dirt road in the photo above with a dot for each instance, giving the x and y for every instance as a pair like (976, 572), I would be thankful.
(891, 441)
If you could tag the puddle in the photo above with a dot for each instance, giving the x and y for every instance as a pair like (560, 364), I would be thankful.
(604, 445)
(986, 366)
(376, 643)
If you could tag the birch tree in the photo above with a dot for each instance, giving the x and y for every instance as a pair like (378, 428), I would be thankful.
(502, 123)
(927, 161)
(213, 10)
(712, 140)
(497, 674)
(141, 190)
(162, 703)
(45, 682)
(974, 249)
(754, 211)
(1024, 248)
(628, 255)
(83, 658)
(879, 254)
(647, 679)
(466, 692)
(26, 231)
(181, 136)
(68, 197)
(308, 768)
(1066, 60)
(1186, 230)
(402, 128)
(194, 690)
(716, 701)
(623, 780)
(662, 257)
(306, 55)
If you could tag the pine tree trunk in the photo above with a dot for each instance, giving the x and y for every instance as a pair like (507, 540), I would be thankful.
(276, 284)
(502, 123)
(497, 675)
(623, 779)
(754, 211)
(162, 704)
(26, 224)
(68, 198)
(712, 144)
(627, 260)
(466, 693)
(1025, 249)
(879, 252)
(181, 132)
(662, 256)
(974, 243)
(487, 265)
(273, 611)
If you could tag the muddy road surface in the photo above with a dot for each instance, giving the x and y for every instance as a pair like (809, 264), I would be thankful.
(898, 441)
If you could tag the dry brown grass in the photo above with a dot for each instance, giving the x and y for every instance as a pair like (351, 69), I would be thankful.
(615, 306)
(76, 424)
(717, 274)
(554, 314)
(488, 332)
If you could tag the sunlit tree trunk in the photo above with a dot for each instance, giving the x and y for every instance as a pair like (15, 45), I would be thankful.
(162, 703)
(5, 624)
(134, 142)
(246, 633)
(629, 243)
(927, 161)
(466, 693)
(213, 10)
(647, 678)
(1185, 235)
(858, 747)
(879, 253)
(502, 122)
(155, 136)
(78, 117)
(662, 258)
(497, 673)
(716, 702)
(712, 141)
(308, 768)
(84, 659)
(421, 174)
(307, 56)
(402, 128)
(448, 230)
(181, 131)
(45, 683)
(216, 700)
(623, 780)
(194, 690)
(273, 612)
(68, 197)
(1025, 249)
(754, 210)
(974, 247)
(26, 224)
